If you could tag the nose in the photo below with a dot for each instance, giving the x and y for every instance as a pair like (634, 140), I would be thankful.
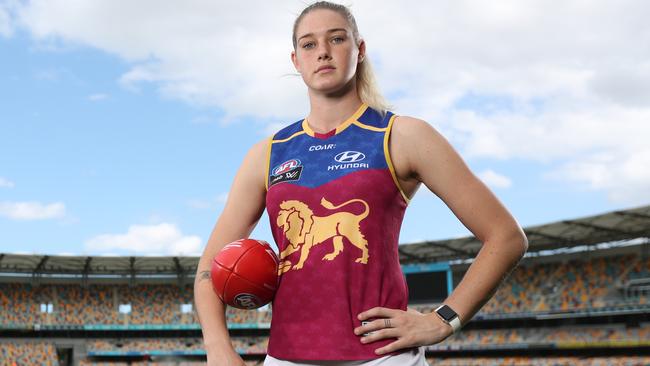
(324, 51)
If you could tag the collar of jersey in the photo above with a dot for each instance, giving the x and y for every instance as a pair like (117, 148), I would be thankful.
(353, 118)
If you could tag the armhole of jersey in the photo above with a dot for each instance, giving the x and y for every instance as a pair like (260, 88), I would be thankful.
(268, 163)
(389, 161)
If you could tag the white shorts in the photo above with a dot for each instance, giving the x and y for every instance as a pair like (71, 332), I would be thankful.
(411, 358)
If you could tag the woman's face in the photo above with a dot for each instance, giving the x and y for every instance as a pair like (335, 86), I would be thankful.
(326, 54)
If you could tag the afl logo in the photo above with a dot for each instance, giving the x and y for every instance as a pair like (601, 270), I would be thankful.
(349, 157)
(247, 301)
(286, 166)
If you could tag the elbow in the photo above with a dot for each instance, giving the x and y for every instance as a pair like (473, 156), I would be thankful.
(524, 243)
(519, 243)
(513, 243)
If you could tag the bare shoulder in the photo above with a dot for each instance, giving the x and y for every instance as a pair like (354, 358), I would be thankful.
(416, 144)
(413, 129)
(260, 148)
(253, 167)
(257, 154)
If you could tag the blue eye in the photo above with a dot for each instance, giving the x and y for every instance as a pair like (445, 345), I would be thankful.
(308, 45)
(338, 39)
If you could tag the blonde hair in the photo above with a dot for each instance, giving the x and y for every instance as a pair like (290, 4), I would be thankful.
(367, 87)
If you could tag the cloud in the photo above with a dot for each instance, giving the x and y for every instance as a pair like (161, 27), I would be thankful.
(202, 119)
(26, 211)
(493, 179)
(626, 86)
(603, 149)
(163, 238)
(97, 97)
(208, 203)
(6, 183)
(54, 75)
(608, 171)
(223, 54)
(7, 8)
(571, 85)
(274, 127)
(222, 198)
(552, 134)
(214, 54)
(6, 29)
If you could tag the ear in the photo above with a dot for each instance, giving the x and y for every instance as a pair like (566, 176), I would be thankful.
(294, 60)
(362, 51)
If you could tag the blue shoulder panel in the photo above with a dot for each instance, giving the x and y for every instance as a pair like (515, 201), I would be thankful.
(288, 131)
(373, 118)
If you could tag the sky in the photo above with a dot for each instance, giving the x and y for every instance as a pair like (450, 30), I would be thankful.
(122, 123)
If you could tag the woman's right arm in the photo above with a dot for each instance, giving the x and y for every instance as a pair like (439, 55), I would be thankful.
(245, 204)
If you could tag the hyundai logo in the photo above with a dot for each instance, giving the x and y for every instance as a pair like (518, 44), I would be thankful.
(349, 157)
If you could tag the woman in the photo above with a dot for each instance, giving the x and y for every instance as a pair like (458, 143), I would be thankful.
(336, 185)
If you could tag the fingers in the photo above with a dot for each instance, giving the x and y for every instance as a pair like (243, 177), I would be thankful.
(405, 329)
(398, 344)
(378, 312)
(380, 334)
(377, 324)
(389, 324)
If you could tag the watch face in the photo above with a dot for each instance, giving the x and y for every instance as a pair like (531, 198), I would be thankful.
(446, 313)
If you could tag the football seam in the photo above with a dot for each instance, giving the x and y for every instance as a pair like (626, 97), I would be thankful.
(234, 266)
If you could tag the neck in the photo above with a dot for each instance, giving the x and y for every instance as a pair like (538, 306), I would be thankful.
(328, 111)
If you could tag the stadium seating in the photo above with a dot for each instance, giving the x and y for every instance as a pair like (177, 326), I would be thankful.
(244, 345)
(16, 353)
(552, 336)
(145, 345)
(482, 361)
(77, 305)
(22, 304)
(571, 286)
(150, 363)
(558, 286)
(550, 361)
(481, 339)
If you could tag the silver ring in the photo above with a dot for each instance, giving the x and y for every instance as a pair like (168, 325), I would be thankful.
(387, 323)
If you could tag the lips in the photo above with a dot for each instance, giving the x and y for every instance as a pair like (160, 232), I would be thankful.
(325, 68)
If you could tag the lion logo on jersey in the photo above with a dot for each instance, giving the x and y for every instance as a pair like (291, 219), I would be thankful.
(304, 230)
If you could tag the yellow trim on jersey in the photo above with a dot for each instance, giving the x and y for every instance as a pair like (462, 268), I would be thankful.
(268, 162)
(306, 129)
(289, 138)
(389, 161)
(371, 128)
(352, 119)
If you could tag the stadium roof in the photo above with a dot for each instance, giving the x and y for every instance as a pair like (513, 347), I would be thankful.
(94, 266)
(609, 227)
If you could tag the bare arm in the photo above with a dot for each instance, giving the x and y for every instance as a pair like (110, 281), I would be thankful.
(245, 204)
(421, 155)
(431, 160)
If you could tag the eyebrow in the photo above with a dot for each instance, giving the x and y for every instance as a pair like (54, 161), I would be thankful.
(328, 31)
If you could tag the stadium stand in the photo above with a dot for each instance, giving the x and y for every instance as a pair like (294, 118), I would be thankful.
(551, 361)
(554, 309)
(15, 353)
(152, 363)
(586, 335)
(571, 286)
(574, 285)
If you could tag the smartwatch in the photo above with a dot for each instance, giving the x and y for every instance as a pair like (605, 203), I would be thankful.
(449, 316)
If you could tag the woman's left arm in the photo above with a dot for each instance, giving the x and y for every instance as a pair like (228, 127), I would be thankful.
(421, 153)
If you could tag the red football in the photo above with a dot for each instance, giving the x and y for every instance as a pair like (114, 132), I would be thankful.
(245, 273)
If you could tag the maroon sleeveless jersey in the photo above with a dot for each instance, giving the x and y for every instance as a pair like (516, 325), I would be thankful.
(335, 209)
